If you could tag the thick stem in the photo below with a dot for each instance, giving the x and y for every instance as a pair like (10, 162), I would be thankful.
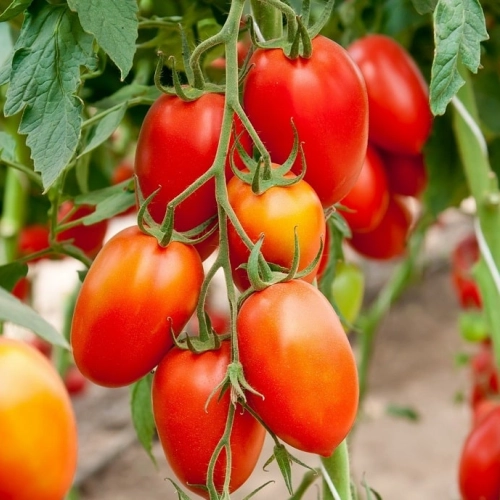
(268, 18)
(336, 472)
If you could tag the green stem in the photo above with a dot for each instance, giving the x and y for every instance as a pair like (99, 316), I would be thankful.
(336, 472)
(268, 18)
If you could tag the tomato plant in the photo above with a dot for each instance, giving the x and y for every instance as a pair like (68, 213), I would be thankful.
(134, 292)
(38, 426)
(191, 420)
(325, 97)
(289, 331)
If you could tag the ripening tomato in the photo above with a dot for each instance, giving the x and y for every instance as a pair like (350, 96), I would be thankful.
(33, 238)
(121, 328)
(89, 239)
(38, 437)
(406, 174)
(368, 200)
(177, 144)
(485, 379)
(277, 213)
(479, 476)
(326, 98)
(398, 96)
(388, 239)
(296, 354)
(188, 433)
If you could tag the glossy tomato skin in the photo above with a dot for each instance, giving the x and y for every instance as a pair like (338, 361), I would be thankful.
(368, 200)
(177, 144)
(406, 174)
(38, 429)
(182, 385)
(479, 478)
(89, 239)
(120, 329)
(398, 96)
(276, 213)
(326, 97)
(388, 239)
(296, 354)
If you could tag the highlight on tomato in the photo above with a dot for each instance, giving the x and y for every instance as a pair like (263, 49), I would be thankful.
(38, 452)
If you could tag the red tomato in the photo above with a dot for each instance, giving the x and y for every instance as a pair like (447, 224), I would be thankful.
(120, 328)
(479, 475)
(326, 97)
(464, 256)
(398, 96)
(406, 174)
(482, 409)
(388, 239)
(296, 354)
(276, 213)
(368, 200)
(188, 433)
(89, 239)
(177, 144)
(74, 381)
(485, 380)
(38, 449)
(22, 289)
(33, 238)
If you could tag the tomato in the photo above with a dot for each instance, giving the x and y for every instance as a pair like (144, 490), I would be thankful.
(295, 353)
(482, 409)
(188, 433)
(398, 96)
(89, 239)
(479, 468)
(276, 213)
(33, 238)
(464, 256)
(177, 144)
(41, 345)
(485, 380)
(74, 381)
(38, 453)
(406, 174)
(368, 200)
(120, 329)
(388, 239)
(326, 97)
(22, 289)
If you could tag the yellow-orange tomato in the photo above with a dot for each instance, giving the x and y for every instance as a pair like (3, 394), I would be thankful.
(38, 439)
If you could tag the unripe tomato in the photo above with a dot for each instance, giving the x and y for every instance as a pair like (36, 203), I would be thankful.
(89, 239)
(295, 353)
(398, 96)
(276, 213)
(38, 437)
(368, 200)
(188, 433)
(406, 174)
(121, 328)
(388, 239)
(326, 98)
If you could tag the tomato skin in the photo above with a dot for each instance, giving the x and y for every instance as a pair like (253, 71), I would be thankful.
(120, 329)
(388, 239)
(296, 354)
(33, 238)
(326, 97)
(398, 96)
(22, 289)
(406, 174)
(368, 200)
(38, 433)
(276, 213)
(188, 433)
(89, 239)
(480, 460)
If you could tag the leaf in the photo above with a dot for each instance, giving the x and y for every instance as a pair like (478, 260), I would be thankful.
(11, 273)
(459, 29)
(104, 128)
(7, 147)
(15, 8)
(371, 494)
(403, 412)
(100, 195)
(6, 53)
(142, 413)
(424, 6)
(114, 205)
(14, 311)
(45, 76)
(114, 24)
(149, 94)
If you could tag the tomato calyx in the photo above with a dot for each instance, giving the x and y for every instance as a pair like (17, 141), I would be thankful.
(207, 340)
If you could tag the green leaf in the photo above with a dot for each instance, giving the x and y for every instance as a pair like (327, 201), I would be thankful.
(45, 77)
(11, 273)
(7, 147)
(15, 8)
(100, 195)
(459, 29)
(114, 205)
(405, 412)
(114, 24)
(142, 413)
(104, 128)
(424, 6)
(6, 53)
(14, 311)
(149, 94)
